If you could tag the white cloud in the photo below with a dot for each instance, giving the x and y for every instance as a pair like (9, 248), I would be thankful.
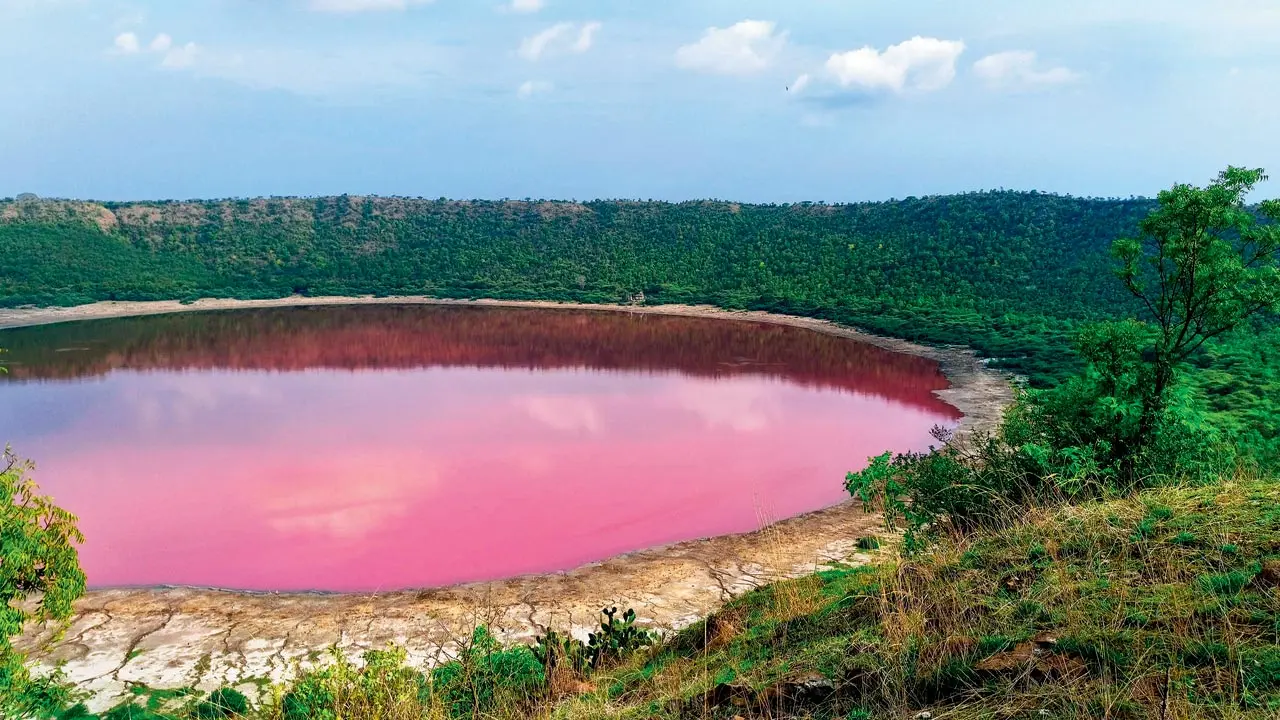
(172, 56)
(126, 43)
(161, 43)
(738, 406)
(566, 414)
(529, 88)
(801, 83)
(329, 504)
(526, 6)
(920, 64)
(181, 57)
(557, 39)
(586, 36)
(532, 48)
(745, 48)
(349, 6)
(1017, 69)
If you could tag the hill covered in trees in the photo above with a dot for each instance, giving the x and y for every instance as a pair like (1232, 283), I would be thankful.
(1011, 274)
(1007, 272)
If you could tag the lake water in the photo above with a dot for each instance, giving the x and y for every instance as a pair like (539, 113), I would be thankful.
(386, 447)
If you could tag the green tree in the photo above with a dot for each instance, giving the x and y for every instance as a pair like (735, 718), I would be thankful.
(38, 559)
(1203, 263)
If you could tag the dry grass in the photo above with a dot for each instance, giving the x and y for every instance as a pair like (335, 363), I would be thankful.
(1164, 606)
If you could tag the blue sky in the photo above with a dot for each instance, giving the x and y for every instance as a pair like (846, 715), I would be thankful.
(679, 99)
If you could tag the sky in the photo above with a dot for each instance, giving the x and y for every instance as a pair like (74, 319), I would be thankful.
(779, 101)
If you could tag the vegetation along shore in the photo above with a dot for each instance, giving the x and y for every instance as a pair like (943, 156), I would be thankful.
(1109, 548)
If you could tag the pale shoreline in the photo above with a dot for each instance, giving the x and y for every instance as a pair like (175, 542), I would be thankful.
(208, 638)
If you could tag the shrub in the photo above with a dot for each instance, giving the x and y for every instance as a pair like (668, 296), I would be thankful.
(384, 687)
(617, 639)
(486, 677)
(554, 650)
(308, 699)
(222, 703)
(37, 697)
(77, 712)
(870, 542)
(1076, 442)
(40, 564)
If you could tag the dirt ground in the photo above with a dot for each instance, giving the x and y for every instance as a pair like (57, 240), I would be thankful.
(179, 637)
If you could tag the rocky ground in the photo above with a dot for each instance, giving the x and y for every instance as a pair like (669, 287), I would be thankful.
(181, 637)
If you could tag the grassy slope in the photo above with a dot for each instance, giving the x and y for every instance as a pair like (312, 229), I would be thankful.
(1082, 612)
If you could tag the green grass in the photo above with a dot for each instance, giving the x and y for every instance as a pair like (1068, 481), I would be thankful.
(1089, 611)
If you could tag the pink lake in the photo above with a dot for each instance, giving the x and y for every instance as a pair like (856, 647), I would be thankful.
(390, 447)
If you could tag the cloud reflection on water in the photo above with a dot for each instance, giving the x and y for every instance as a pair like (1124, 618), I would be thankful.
(327, 478)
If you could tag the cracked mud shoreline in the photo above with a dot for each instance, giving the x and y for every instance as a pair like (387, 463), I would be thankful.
(180, 637)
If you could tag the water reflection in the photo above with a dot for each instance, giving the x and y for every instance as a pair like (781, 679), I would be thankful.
(378, 448)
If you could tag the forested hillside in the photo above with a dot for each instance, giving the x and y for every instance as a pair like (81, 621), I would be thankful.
(968, 268)
(1011, 274)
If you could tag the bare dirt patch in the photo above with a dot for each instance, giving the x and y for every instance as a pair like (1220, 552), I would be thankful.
(58, 211)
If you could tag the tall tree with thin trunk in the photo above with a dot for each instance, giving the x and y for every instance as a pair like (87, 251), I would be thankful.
(1204, 262)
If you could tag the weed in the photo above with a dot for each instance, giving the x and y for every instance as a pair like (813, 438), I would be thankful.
(1225, 584)
(222, 703)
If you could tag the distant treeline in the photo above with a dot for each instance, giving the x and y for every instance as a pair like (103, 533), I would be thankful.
(1009, 273)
